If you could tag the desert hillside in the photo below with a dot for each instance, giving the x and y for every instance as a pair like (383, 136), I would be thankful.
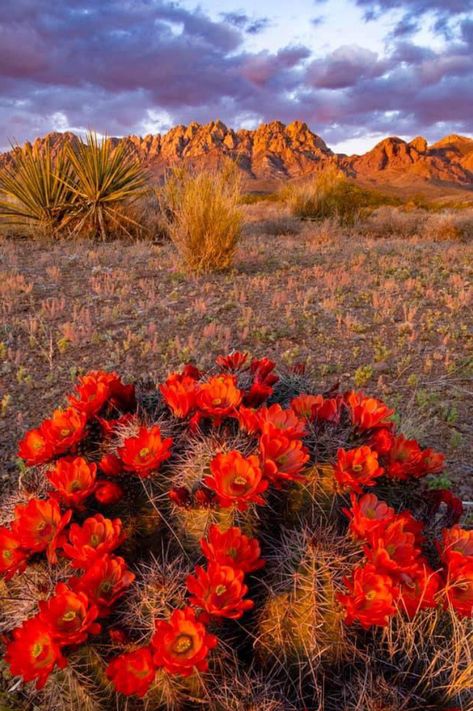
(275, 151)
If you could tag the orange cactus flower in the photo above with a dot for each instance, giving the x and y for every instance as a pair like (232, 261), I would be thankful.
(236, 480)
(248, 419)
(132, 673)
(182, 644)
(457, 545)
(218, 397)
(459, 587)
(74, 480)
(432, 462)
(368, 515)
(12, 557)
(104, 582)
(370, 599)
(64, 429)
(99, 387)
(93, 539)
(234, 361)
(418, 590)
(316, 407)
(35, 448)
(393, 550)
(145, 452)
(33, 653)
(357, 468)
(39, 526)
(108, 493)
(283, 458)
(219, 591)
(179, 393)
(232, 547)
(367, 413)
(275, 419)
(69, 615)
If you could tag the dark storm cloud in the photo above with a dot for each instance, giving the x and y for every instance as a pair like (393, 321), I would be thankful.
(116, 64)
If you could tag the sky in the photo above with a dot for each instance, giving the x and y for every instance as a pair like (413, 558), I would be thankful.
(354, 70)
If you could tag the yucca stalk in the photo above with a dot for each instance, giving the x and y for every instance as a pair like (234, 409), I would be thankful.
(106, 179)
(37, 189)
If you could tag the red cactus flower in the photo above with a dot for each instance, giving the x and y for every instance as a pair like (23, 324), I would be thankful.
(108, 493)
(367, 412)
(370, 599)
(457, 545)
(316, 407)
(145, 452)
(110, 465)
(418, 590)
(283, 458)
(104, 582)
(69, 615)
(232, 547)
(248, 419)
(180, 496)
(234, 361)
(39, 526)
(179, 393)
(459, 587)
(132, 673)
(236, 480)
(368, 515)
(407, 460)
(74, 480)
(275, 419)
(219, 591)
(257, 394)
(35, 448)
(64, 429)
(182, 644)
(12, 557)
(219, 396)
(393, 550)
(110, 427)
(262, 371)
(33, 653)
(381, 441)
(357, 468)
(93, 539)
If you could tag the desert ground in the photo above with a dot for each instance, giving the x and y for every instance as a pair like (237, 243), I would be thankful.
(391, 314)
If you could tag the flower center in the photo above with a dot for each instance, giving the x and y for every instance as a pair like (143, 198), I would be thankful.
(76, 485)
(65, 433)
(69, 616)
(357, 468)
(217, 401)
(144, 453)
(183, 644)
(220, 589)
(94, 540)
(371, 595)
(36, 650)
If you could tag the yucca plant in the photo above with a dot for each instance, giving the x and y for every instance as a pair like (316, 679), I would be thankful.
(106, 179)
(37, 189)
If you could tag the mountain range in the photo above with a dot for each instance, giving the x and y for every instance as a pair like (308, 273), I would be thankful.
(275, 152)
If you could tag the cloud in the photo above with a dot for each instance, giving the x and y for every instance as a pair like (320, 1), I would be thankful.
(123, 66)
(414, 11)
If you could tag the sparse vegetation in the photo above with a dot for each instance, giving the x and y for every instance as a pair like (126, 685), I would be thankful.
(203, 218)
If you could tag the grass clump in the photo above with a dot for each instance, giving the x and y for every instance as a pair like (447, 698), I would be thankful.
(202, 216)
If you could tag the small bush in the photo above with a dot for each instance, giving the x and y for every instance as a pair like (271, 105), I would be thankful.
(202, 216)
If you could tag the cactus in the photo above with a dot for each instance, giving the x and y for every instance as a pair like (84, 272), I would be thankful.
(232, 541)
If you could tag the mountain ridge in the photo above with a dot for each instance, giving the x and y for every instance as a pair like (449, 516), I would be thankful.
(276, 151)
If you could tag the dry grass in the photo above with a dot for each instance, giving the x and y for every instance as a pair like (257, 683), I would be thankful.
(203, 218)
(449, 225)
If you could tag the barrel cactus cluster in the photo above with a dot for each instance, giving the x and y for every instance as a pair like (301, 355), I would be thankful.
(232, 540)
